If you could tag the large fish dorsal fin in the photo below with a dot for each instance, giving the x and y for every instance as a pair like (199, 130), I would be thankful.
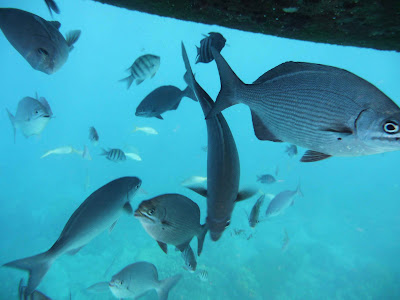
(163, 246)
(261, 131)
(311, 156)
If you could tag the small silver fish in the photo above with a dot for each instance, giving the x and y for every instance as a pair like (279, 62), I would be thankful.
(93, 135)
(31, 117)
(146, 66)
(266, 179)
(114, 155)
(60, 150)
(147, 130)
(37, 40)
(189, 259)
(281, 202)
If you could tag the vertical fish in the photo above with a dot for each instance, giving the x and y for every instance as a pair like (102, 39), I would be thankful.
(93, 135)
(203, 275)
(255, 211)
(189, 259)
(114, 155)
(214, 39)
(146, 66)
(223, 168)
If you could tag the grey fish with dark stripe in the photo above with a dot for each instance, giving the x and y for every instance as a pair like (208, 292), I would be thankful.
(214, 39)
(328, 110)
(172, 219)
(37, 40)
(223, 168)
(146, 66)
(101, 210)
(189, 258)
(282, 201)
(36, 295)
(161, 100)
(255, 212)
(114, 155)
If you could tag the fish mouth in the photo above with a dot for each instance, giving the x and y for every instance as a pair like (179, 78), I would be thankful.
(140, 113)
(215, 235)
(110, 284)
(138, 214)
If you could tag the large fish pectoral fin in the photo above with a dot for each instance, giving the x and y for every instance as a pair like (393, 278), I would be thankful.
(261, 131)
(199, 190)
(160, 117)
(71, 38)
(128, 208)
(139, 81)
(245, 194)
(341, 131)
(163, 246)
(311, 156)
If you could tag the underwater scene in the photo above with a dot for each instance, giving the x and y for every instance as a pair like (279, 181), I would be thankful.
(148, 157)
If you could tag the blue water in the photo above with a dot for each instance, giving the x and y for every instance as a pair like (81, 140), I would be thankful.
(344, 233)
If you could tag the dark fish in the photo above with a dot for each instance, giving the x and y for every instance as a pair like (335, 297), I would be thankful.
(114, 155)
(189, 258)
(291, 150)
(52, 6)
(266, 178)
(172, 219)
(37, 40)
(255, 211)
(31, 117)
(36, 295)
(101, 210)
(161, 100)
(223, 169)
(214, 39)
(325, 109)
(281, 202)
(93, 135)
(146, 66)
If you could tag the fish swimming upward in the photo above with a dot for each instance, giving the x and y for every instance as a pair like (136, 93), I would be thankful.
(327, 110)
(101, 210)
(223, 168)
(37, 40)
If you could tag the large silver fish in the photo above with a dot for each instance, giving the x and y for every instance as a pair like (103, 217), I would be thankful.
(325, 109)
(135, 280)
(31, 117)
(281, 202)
(98, 212)
(37, 40)
(172, 219)
(146, 66)
(223, 169)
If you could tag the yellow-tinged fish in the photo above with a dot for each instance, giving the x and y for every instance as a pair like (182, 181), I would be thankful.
(147, 130)
(60, 150)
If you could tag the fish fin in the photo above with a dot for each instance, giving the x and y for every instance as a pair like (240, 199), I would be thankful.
(12, 119)
(163, 246)
(311, 156)
(160, 117)
(261, 131)
(103, 151)
(183, 246)
(37, 265)
(112, 226)
(100, 287)
(52, 6)
(128, 208)
(166, 285)
(188, 92)
(128, 80)
(245, 194)
(139, 81)
(46, 104)
(55, 24)
(199, 190)
(340, 130)
(299, 191)
(71, 38)
(21, 288)
(230, 84)
(165, 222)
(198, 55)
(75, 251)
(200, 238)
(175, 107)
(153, 75)
(291, 204)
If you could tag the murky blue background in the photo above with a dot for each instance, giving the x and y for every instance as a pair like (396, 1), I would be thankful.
(344, 234)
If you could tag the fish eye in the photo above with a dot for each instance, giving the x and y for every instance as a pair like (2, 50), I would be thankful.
(150, 211)
(36, 112)
(43, 51)
(228, 223)
(391, 127)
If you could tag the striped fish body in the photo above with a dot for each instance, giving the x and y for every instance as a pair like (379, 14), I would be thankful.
(325, 109)
(214, 39)
(255, 212)
(114, 155)
(203, 275)
(146, 66)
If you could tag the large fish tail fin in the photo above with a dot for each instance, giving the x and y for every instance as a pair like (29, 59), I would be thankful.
(200, 238)
(129, 80)
(71, 38)
(52, 6)
(37, 265)
(230, 84)
(166, 285)
(12, 119)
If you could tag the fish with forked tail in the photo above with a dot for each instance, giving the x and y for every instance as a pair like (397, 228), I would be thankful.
(330, 111)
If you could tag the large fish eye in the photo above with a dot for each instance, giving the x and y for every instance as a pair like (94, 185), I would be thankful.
(391, 127)
(150, 212)
(228, 223)
(43, 51)
(36, 112)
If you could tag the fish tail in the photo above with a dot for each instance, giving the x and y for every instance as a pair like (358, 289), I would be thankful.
(230, 84)
(129, 81)
(200, 238)
(166, 285)
(71, 38)
(12, 119)
(189, 77)
(103, 151)
(188, 92)
(36, 265)
(98, 288)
